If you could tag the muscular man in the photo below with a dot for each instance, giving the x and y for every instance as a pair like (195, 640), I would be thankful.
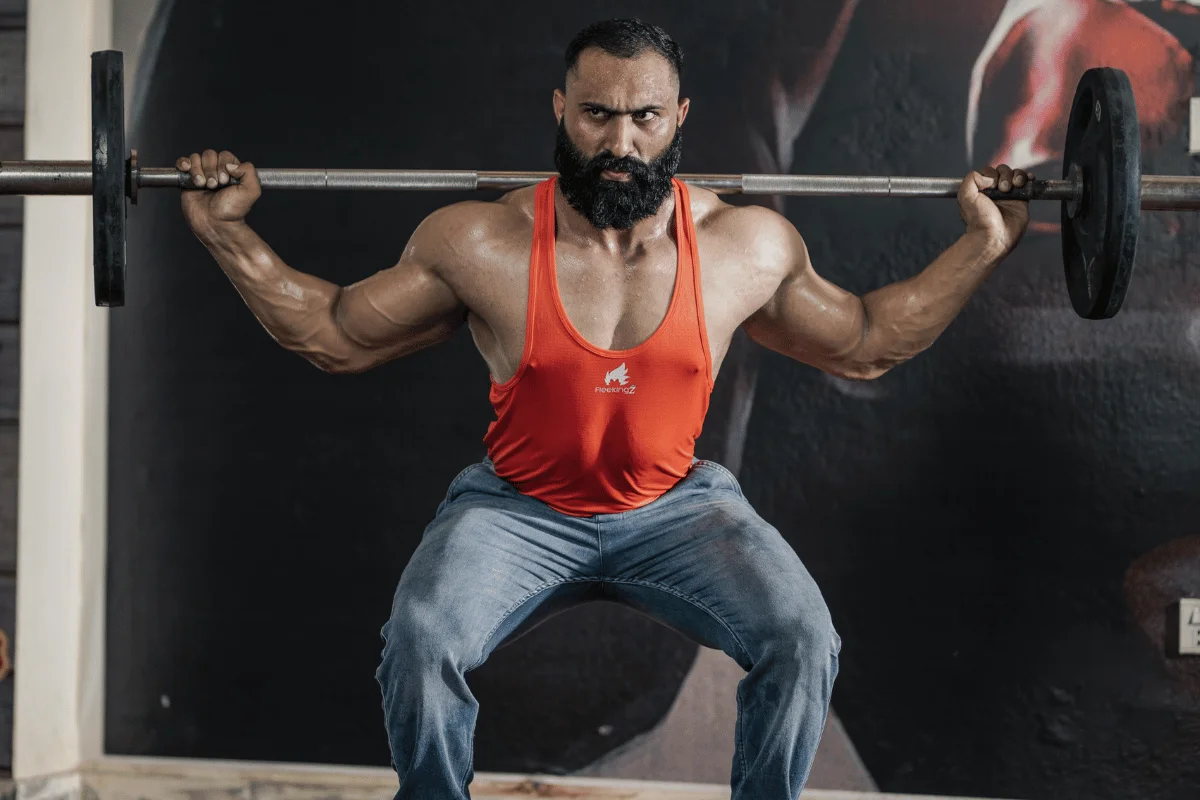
(603, 302)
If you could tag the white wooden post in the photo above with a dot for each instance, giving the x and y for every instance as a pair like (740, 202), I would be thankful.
(61, 500)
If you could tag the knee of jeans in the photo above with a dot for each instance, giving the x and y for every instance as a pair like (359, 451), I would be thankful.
(806, 635)
(412, 640)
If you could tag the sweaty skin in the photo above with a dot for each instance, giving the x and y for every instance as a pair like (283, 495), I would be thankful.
(469, 262)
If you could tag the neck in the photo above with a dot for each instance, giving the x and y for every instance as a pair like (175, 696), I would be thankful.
(571, 223)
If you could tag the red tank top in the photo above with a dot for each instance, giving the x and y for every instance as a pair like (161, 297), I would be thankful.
(593, 431)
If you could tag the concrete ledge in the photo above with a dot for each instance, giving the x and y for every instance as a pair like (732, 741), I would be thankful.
(126, 778)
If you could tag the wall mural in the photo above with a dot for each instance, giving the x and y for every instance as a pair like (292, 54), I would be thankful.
(1000, 526)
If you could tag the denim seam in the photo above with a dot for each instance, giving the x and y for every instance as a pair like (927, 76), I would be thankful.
(741, 740)
(688, 599)
(464, 779)
(508, 611)
(600, 546)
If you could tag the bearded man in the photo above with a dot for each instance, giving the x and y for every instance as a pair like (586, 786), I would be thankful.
(603, 301)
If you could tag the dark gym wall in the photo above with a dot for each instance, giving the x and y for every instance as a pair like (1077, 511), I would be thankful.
(995, 525)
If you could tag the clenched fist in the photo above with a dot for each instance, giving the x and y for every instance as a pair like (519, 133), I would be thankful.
(217, 200)
(1004, 221)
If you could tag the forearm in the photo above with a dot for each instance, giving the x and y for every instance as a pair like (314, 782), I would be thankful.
(298, 310)
(904, 318)
(816, 322)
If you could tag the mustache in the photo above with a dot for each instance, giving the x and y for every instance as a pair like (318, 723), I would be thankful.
(581, 166)
(606, 161)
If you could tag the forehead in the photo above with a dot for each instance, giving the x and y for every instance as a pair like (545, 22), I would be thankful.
(601, 77)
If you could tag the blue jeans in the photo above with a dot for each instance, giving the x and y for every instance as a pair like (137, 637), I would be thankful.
(493, 563)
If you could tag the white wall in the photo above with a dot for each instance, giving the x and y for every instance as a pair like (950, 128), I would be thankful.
(59, 712)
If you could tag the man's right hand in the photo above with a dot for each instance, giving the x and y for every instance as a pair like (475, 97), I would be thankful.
(216, 200)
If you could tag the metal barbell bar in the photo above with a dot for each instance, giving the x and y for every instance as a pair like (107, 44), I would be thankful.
(1158, 192)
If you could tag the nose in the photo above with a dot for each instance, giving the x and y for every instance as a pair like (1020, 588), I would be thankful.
(619, 141)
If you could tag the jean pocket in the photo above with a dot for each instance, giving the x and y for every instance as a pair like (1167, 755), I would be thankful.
(452, 491)
(722, 471)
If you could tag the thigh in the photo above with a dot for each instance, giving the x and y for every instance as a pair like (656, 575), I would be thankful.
(707, 565)
(491, 563)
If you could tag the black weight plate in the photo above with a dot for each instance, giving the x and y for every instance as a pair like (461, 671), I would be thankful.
(108, 177)
(1099, 234)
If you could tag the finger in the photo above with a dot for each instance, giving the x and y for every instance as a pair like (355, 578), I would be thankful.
(210, 168)
(1004, 178)
(182, 164)
(1019, 177)
(197, 169)
(247, 176)
(224, 159)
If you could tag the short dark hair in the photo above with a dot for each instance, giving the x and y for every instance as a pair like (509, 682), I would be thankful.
(626, 38)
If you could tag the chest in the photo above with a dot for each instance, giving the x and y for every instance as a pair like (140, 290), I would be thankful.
(616, 301)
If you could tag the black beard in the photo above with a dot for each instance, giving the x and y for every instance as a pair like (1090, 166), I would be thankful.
(614, 204)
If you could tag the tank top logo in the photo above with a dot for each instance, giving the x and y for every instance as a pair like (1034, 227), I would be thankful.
(619, 376)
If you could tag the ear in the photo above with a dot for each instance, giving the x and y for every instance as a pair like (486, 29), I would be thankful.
(684, 105)
(560, 105)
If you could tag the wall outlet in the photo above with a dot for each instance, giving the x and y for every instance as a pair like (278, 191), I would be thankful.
(1189, 626)
(1194, 126)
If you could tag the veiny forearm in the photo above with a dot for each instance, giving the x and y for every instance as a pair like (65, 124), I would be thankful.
(298, 310)
(904, 318)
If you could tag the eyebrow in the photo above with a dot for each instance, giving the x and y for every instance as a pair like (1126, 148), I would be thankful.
(607, 110)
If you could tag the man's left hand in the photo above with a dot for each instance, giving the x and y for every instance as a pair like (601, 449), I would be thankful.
(1001, 223)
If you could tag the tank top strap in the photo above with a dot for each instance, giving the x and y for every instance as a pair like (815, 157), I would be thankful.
(543, 287)
(542, 247)
(543, 237)
(689, 259)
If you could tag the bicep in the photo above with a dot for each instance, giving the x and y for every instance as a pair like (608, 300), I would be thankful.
(406, 307)
(809, 318)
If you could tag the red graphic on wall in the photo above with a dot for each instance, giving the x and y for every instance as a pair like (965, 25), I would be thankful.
(1051, 43)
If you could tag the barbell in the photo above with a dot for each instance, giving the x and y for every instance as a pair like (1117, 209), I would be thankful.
(1102, 190)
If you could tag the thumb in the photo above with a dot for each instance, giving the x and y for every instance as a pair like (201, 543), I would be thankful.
(972, 185)
(979, 181)
(244, 172)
